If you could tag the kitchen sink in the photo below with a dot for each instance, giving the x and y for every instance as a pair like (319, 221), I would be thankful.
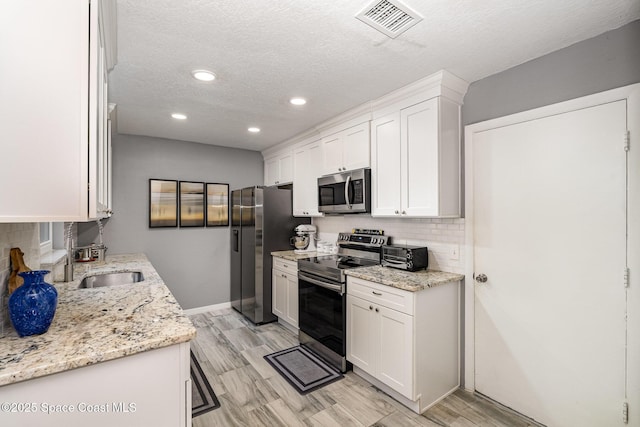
(111, 279)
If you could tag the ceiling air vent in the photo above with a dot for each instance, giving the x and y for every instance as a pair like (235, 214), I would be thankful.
(391, 18)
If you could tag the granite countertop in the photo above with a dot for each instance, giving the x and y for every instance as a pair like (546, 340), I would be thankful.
(99, 324)
(292, 256)
(407, 280)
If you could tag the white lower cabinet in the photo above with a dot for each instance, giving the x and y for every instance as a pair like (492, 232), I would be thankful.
(284, 281)
(406, 343)
(152, 388)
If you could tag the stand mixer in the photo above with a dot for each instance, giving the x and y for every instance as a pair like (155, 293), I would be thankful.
(304, 240)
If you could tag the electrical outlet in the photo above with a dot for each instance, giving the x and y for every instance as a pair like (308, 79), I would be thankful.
(455, 252)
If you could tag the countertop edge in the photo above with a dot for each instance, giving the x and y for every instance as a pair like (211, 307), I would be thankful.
(405, 280)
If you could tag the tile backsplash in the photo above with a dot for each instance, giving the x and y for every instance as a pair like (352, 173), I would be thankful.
(25, 236)
(443, 236)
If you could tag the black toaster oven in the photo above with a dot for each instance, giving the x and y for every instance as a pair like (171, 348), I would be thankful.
(409, 258)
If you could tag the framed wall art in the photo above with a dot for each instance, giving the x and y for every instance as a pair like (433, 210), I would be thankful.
(191, 204)
(217, 205)
(163, 203)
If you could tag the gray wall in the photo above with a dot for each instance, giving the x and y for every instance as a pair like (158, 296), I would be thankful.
(194, 262)
(604, 62)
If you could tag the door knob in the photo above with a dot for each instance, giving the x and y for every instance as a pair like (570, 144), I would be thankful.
(481, 278)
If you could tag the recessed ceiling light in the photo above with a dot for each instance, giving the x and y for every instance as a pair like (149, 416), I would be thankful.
(254, 130)
(203, 75)
(298, 101)
(179, 116)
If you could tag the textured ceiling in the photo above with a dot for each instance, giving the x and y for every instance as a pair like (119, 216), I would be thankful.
(265, 52)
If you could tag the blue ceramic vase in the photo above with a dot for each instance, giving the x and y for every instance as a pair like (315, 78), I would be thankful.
(32, 305)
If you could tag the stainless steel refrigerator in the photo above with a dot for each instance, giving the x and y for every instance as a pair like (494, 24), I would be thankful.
(261, 222)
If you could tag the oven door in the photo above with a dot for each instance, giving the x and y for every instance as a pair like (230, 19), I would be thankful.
(322, 315)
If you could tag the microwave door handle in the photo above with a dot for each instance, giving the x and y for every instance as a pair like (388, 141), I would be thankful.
(346, 191)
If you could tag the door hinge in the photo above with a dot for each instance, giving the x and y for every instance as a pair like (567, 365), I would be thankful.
(626, 277)
(625, 412)
(627, 141)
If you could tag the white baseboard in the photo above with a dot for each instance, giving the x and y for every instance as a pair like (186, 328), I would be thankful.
(207, 308)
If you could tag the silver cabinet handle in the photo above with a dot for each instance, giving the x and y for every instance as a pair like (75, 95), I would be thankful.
(481, 278)
(397, 212)
(404, 212)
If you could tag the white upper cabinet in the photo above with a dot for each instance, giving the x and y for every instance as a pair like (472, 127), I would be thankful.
(415, 161)
(346, 150)
(306, 170)
(278, 170)
(385, 165)
(54, 114)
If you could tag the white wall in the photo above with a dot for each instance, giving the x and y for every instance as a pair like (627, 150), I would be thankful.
(443, 237)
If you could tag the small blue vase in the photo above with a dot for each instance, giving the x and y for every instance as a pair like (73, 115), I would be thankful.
(32, 305)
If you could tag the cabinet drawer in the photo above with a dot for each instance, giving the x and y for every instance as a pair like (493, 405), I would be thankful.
(386, 296)
(285, 265)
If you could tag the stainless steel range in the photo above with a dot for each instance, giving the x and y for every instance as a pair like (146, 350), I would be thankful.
(322, 293)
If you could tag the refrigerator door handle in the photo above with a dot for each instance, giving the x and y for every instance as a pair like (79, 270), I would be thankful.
(235, 240)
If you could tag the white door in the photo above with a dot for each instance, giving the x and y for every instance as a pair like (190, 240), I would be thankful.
(279, 293)
(385, 165)
(420, 159)
(355, 146)
(362, 335)
(332, 154)
(292, 299)
(396, 351)
(549, 233)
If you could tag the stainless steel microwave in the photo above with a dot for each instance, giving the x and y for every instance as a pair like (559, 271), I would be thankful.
(345, 192)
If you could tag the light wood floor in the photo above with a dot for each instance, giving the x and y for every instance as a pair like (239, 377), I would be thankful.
(231, 349)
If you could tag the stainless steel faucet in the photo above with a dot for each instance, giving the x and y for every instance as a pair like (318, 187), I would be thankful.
(68, 241)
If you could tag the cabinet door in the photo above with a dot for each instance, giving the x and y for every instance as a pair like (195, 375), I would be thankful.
(292, 300)
(306, 170)
(271, 171)
(44, 119)
(396, 350)
(332, 154)
(420, 159)
(385, 166)
(362, 336)
(99, 203)
(285, 162)
(356, 147)
(279, 293)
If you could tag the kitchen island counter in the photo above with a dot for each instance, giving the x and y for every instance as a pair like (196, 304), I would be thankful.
(98, 324)
(406, 280)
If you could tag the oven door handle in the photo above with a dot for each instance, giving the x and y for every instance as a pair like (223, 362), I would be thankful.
(334, 288)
